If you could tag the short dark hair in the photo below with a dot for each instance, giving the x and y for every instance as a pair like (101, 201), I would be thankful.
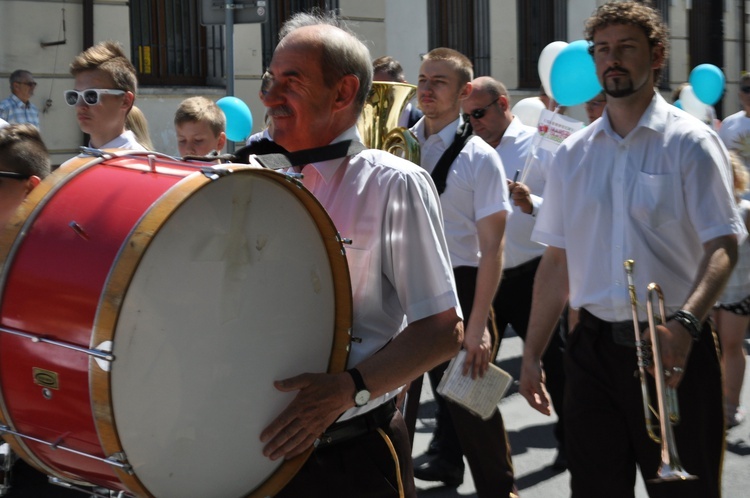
(390, 66)
(460, 63)
(22, 150)
(635, 13)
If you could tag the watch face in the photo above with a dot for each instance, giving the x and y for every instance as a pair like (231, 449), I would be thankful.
(362, 397)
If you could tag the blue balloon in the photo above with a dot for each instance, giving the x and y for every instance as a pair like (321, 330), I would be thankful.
(708, 83)
(239, 118)
(573, 77)
(677, 104)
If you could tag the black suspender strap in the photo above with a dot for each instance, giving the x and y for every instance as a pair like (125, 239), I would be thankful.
(440, 173)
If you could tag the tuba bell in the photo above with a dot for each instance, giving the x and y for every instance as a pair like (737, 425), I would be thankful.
(378, 123)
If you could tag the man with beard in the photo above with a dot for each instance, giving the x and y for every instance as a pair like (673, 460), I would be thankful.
(649, 183)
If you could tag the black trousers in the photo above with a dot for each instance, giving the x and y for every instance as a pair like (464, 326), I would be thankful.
(605, 432)
(512, 306)
(375, 465)
(483, 442)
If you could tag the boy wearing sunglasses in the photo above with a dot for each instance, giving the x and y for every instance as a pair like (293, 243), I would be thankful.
(104, 93)
(475, 202)
(735, 129)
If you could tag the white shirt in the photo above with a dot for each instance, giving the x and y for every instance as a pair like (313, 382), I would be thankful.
(125, 141)
(515, 150)
(398, 260)
(654, 196)
(475, 188)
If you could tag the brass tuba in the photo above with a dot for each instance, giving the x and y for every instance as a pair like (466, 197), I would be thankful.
(378, 123)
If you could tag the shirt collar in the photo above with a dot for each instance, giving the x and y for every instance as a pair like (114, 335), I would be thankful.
(514, 129)
(447, 134)
(18, 102)
(653, 118)
(328, 168)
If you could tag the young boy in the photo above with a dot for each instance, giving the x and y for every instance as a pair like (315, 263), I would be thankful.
(24, 161)
(104, 93)
(200, 125)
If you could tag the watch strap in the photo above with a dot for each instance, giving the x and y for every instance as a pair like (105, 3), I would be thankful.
(690, 322)
(359, 382)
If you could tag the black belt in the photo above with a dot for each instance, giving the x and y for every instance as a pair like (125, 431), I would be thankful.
(358, 426)
(527, 267)
(622, 332)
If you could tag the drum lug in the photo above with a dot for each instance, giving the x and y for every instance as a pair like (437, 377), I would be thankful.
(91, 151)
(214, 173)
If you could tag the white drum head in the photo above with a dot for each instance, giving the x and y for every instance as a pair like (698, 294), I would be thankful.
(235, 291)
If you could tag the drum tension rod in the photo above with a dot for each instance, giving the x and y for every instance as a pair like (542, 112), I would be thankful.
(115, 460)
(96, 353)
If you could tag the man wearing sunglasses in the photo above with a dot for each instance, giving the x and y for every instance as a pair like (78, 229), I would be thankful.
(512, 140)
(17, 108)
(104, 93)
(735, 129)
(475, 202)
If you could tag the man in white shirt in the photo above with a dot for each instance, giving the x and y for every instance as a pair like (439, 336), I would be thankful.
(104, 92)
(406, 316)
(649, 183)
(475, 206)
(735, 129)
(488, 108)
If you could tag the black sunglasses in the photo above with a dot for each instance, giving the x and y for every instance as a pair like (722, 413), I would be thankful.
(745, 89)
(479, 113)
(14, 175)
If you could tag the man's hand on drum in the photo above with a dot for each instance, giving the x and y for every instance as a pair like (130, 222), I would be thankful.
(319, 402)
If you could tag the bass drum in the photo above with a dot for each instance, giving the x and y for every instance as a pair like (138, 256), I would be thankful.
(146, 307)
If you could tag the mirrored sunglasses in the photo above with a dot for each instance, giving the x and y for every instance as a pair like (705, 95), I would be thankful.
(90, 96)
(479, 113)
(14, 175)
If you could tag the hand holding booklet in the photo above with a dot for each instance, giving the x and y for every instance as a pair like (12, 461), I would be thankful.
(481, 395)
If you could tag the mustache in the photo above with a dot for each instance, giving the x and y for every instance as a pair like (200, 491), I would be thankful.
(281, 111)
(617, 70)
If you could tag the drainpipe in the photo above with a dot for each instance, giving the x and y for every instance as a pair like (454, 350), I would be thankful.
(88, 24)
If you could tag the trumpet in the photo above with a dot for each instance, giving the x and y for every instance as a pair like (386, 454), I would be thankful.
(670, 468)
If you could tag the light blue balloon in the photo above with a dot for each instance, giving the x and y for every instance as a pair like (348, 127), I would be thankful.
(573, 77)
(239, 118)
(708, 83)
(677, 104)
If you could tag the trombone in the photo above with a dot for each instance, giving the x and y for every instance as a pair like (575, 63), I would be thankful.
(670, 468)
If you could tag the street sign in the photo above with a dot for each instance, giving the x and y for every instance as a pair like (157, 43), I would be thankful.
(245, 11)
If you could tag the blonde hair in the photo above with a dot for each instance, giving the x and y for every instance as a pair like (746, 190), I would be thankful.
(201, 109)
(459, 62)
(136, 122)
(108, 56)
(741, 177)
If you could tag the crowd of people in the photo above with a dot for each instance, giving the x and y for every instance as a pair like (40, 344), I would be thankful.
(489, 230)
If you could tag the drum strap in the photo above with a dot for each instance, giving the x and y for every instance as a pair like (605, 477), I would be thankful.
(273, 156)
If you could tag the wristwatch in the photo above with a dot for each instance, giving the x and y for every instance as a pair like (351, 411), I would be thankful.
(361, 394)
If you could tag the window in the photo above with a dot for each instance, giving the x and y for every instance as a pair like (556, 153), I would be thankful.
(171, 47)
(463, 25)
(281, 10)
(540, 22)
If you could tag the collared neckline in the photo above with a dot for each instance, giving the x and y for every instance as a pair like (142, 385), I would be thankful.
(326, 169)
(653, 118)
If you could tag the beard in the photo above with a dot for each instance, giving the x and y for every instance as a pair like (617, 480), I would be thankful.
(620, 86)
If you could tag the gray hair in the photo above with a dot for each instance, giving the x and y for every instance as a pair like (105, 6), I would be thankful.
(340, 55)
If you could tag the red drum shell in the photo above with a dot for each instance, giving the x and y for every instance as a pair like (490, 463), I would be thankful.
(186, 277)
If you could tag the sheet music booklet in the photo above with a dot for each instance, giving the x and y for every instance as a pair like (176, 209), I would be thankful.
(481, 395)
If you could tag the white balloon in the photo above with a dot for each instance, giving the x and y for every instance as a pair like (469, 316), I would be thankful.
(692, 105)
(528, 110)
(546, 58)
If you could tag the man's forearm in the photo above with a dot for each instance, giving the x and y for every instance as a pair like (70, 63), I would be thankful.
(421, 346)
(719, 258)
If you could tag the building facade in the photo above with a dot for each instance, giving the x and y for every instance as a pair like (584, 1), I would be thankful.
(177, 57)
